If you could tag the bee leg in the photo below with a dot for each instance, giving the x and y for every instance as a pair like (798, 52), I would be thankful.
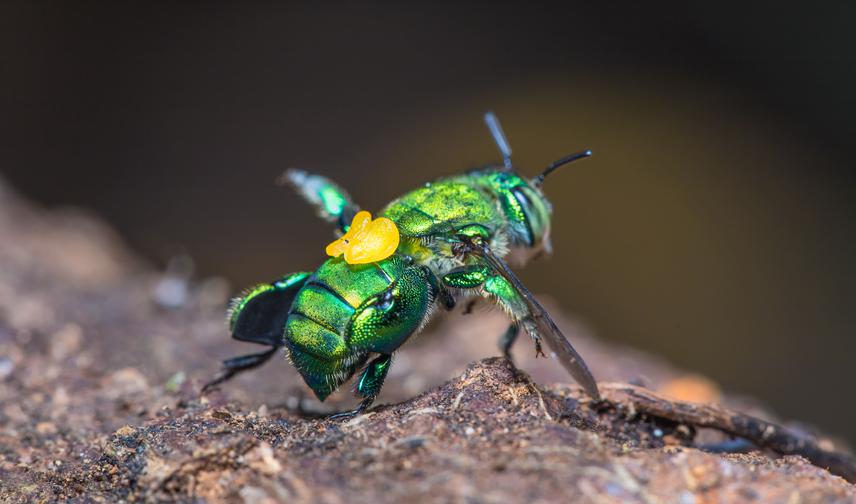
(478, 276)
(347, 414)
(236, 365)
(369, 385)
(470, 276)
(498, 288)
(440, 290)
(371, 381)
(507, 340)
(331, 201)
(468, 309)
(532, 329)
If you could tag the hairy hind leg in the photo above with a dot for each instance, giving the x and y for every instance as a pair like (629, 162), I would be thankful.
(258, 316)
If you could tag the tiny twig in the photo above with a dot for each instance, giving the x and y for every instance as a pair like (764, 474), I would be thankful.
(457, 401)
(764, 434)
(534, 388)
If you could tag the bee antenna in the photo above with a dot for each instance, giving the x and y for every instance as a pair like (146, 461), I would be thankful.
(537, 181)
(499, 137)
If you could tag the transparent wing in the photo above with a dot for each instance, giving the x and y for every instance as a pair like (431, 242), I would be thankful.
(550, 333)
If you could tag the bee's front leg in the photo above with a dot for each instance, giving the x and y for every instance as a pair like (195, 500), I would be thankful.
(478, 276)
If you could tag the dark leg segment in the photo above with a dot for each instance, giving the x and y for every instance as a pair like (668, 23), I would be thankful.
(471, 304)
(373, 377)
(507, 340)
(236, 365)
(441, 293)
(369, 385)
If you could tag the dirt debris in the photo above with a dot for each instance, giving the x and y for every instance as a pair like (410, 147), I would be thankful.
(99, 402)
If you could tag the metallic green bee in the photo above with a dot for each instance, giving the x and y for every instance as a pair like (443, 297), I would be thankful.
(446, 240)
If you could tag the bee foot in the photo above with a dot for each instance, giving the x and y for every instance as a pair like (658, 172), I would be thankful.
(208, 387)
(345, 414)
(357, 411)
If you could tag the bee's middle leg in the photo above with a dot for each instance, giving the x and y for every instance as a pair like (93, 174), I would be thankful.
(506, 341)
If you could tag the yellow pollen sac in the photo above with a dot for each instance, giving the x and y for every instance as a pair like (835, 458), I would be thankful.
(367, 240)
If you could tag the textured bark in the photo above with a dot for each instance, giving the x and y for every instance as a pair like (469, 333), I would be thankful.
(102, 358)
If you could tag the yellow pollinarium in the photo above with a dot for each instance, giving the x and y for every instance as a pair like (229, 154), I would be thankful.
(367, 240)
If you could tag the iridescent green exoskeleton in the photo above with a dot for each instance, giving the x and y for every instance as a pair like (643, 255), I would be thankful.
(455, 234)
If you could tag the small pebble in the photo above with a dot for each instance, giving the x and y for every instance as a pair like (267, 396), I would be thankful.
(45, 428)
(174, 383)
(6, 367)
(126, 430)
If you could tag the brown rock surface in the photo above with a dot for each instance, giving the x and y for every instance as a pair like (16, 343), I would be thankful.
(99, 401)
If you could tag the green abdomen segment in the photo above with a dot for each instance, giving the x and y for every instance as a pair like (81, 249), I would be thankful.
(316, 331)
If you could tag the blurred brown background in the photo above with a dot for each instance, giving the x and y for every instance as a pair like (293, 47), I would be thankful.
(713, 226)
